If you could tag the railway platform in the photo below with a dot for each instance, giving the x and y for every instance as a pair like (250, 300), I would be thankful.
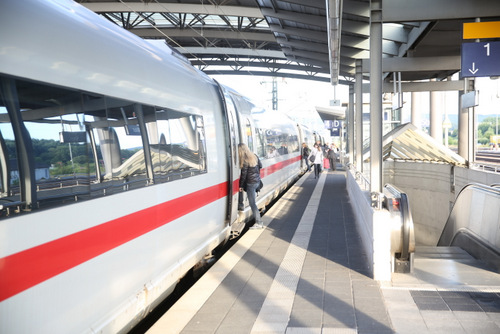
(306, 272)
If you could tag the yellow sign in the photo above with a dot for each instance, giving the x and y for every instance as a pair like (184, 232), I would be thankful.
(474, 30)
(447, 123)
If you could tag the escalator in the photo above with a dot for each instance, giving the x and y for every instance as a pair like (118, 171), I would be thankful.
(467, 256)
(474, 224)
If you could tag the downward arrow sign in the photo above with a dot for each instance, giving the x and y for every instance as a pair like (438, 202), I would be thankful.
(474, 69)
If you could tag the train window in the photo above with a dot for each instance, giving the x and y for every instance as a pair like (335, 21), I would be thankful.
(260, 142)
(9, 169)
(293, 143)
(187, 137)
(273, 142)
(56, 125)
(87, 145)
(62, 160)
(177, 144)
(122, 147)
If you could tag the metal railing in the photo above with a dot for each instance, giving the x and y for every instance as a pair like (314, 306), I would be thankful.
(494, 168)
(359, 177)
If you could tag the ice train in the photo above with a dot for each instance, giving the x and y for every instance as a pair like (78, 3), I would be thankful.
(118, 169)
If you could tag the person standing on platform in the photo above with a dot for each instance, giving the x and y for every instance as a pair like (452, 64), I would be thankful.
(318, 159)
(250, 179)
(318, 143)
(332, 157)
(305, 155)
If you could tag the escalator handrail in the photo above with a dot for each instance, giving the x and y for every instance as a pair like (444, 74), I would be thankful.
(445, 239)
(405, 216)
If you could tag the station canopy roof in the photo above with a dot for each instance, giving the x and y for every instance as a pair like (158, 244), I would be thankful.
(302, 38)
(407, 143)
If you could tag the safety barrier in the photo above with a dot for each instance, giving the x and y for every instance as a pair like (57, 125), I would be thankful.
(385, 226)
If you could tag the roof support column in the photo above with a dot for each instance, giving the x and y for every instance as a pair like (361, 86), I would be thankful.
(350, 125)
(415, 112)
(436, 117)
(358, 91)
(376, 96)
(466, 125)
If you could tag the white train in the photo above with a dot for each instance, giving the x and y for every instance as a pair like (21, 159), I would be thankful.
(118, 169)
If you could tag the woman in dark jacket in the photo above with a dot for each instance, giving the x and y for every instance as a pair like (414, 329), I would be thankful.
(250, 180)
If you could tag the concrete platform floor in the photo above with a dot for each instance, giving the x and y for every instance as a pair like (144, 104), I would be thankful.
(306, 273)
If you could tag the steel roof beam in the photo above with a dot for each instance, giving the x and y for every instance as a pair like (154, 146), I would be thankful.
(319, 36)
(306, 54)
(428, 86)
(320, 4)
(155, 7)
(309, 19)
(270, 74)
(395, 33)
(355, 42)
(431, 10)
(253, 62)
(207, 33)
(231, 52)
(356, 8)
(309, 61)
(305, 45)
(409, 64)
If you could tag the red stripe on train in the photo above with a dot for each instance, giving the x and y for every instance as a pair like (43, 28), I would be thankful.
(30, 267)
(23, 270)
(277, 166)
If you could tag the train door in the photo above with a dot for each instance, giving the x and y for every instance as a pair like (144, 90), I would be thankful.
(233, 137)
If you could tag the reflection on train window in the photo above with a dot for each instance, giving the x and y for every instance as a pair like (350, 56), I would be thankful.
(277, 138)
(159, 139)
(260, 142)
(178, 140)
(121, 147)
(248, 134)
(188, 143)
(293, 143)
(87, 145)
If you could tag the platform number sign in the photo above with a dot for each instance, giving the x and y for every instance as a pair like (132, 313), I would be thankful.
(480, 59)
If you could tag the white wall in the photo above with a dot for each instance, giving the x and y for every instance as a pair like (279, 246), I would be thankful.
(374, 227)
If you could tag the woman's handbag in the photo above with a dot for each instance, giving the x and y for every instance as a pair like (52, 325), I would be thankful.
(312, 158)
(260, 186)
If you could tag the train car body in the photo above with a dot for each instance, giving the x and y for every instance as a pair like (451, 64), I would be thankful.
(119, 169)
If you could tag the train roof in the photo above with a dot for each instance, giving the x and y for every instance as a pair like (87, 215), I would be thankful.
(62, 43)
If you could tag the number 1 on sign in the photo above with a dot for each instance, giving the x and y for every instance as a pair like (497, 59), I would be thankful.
(487, 46)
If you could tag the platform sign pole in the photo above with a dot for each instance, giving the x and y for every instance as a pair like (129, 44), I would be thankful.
(376, 111)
